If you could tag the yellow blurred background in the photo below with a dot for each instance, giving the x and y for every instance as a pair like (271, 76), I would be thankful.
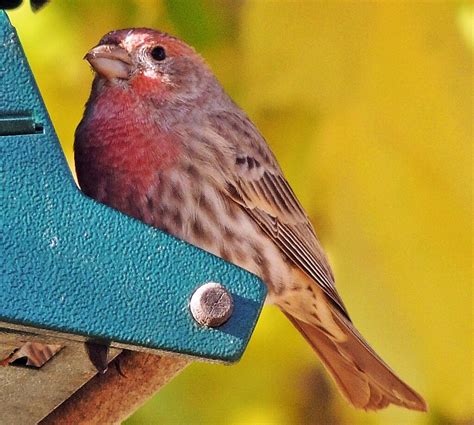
(369, 108)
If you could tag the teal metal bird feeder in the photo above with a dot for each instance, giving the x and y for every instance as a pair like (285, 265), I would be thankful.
(75, 270)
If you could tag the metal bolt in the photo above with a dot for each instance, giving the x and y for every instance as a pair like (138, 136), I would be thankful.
(211, 305)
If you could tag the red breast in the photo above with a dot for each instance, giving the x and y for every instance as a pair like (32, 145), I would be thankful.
(121, 143)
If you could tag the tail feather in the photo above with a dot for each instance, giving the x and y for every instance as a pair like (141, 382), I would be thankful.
(361, 375)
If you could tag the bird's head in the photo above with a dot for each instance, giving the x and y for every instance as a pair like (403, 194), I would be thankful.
(150, 62)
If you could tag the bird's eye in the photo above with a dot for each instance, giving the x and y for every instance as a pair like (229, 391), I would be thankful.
(158, 53)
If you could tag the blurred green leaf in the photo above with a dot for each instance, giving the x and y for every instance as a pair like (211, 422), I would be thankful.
(200, 22)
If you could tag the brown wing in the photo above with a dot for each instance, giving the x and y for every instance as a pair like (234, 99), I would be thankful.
(258, 185)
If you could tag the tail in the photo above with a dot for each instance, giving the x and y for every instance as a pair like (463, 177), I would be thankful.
(361, 375)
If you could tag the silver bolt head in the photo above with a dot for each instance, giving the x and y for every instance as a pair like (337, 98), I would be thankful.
(211, 305)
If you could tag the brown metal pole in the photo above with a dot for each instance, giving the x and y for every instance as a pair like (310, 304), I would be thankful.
(114, 396)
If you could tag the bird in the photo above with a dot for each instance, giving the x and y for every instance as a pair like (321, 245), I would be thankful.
(161, 141)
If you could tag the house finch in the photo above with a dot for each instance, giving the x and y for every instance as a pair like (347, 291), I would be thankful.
(161, 141)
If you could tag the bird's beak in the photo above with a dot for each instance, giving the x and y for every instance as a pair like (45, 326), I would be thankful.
(110, 61)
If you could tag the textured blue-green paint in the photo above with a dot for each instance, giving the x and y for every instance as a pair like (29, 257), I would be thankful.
(75, 266)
